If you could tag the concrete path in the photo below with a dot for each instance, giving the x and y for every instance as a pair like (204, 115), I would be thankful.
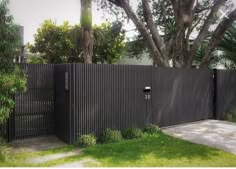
(36, 144)
(46, 143)
(43, 159)
(213, 133)
(76, 164)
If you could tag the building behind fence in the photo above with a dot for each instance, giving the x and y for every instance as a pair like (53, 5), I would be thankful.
(74, 99)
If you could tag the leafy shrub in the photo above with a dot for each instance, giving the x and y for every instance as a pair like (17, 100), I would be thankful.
(151, 129)
(3, 150)
(87, 140)
(55, 44)
(110, 136)
(131, 133)
(230, 115)
(10, 84)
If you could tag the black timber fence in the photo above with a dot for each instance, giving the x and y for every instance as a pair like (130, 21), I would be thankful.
(225, 92)
(74, 99)
(90, 98)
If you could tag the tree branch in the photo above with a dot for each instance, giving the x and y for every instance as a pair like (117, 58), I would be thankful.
(204, 30)
(115, 2)
(175, 8)
(191, 28)
(150, 24)
(217, 37)
(145, 33)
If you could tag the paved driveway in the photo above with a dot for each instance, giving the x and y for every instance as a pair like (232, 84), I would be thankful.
(213, 133)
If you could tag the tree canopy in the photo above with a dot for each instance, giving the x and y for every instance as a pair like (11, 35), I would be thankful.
(63, 43)
(174, 30)
(9, 35)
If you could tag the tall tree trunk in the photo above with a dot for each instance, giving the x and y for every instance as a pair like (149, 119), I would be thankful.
(86, 25)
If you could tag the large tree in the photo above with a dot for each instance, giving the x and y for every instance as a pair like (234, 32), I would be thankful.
(188, 18)
(86, 23)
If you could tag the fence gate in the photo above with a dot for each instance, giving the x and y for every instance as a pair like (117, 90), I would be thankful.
(33, 114)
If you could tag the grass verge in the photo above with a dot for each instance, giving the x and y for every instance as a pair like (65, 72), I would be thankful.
(150, 151)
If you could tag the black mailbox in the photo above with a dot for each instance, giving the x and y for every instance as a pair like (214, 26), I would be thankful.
(147, 89)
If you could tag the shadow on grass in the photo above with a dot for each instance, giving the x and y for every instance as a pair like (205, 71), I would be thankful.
(157, 147)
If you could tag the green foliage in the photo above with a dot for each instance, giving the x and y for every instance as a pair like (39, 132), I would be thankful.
(132, 133)
(87, 140)
(151, 129)
(109, 45)
(63, 43)
(216, 59)
(224, 54)
(32, 58)
(110, 136)
(53, 42)
(228, 46)
(230, 115)
(3, 150)
(158, 150)
(9, 38)
(12, 78)
(10, 84)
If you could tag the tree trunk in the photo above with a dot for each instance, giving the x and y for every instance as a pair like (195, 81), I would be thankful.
(152, 47)
(178, 51)
(86, 25)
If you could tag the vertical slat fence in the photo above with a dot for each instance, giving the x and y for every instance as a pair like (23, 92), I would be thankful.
(34, 110)
(225, 92)
(76, 99)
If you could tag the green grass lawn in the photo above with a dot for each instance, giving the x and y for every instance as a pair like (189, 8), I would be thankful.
(150, 151)
(160, 150)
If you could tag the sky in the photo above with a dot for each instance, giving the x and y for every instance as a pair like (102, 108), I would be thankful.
(32, 13)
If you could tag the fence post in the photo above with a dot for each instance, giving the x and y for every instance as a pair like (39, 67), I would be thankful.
(215, 94)
(72, 101)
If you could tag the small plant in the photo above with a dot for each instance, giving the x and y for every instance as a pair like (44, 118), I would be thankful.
(230, 115)
(151, 129)
(87, 140)
(110, 136)
(132, 133)
(3, 150)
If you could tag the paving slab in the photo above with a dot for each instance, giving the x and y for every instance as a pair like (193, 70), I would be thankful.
(80, 164)
(43, 159)
(36, 144)
(213, 133)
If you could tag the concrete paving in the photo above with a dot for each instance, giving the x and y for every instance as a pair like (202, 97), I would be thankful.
(36, 144)
(43, 159)
(213, 133)
(77, 164)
